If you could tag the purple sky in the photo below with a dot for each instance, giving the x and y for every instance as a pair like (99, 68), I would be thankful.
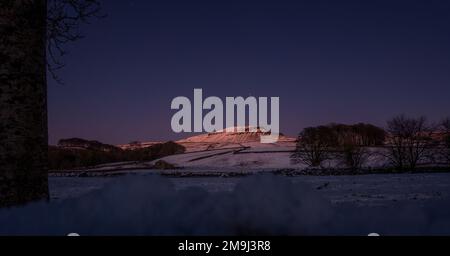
(352, 61)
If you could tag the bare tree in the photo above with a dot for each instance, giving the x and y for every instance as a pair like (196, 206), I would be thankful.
(64, 18)
(314, 146)
(354, 156)
(446, 125)
(353, 142)
(345, 143)
(445, 152)
(26, 34)
(409, 141)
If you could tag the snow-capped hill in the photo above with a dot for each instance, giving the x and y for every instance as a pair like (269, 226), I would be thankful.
(238, 149)
(225, 137)
(243, 137)
(233, 135)
(239, 137)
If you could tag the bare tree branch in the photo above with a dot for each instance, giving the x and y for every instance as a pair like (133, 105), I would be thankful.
(64, 18)
(410, 141)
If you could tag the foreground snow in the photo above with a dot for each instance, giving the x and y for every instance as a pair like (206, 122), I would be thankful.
(358, 190)
(258, 205)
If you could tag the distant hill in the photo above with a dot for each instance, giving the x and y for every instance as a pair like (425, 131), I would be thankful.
(220, 139)
(77, 143)
(80, 153)
(224, 136)
(137, 145)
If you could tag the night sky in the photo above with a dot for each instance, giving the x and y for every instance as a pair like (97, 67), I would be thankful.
(328, 61)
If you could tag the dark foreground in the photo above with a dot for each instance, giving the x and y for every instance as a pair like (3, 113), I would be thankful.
(415, 204)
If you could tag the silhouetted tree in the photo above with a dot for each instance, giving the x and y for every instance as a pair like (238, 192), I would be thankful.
(339, 141)
(353, 142)
(354, 156)
(64, 18)
(409, 141)
(314, 145)
(446, 139)
(360, 134)
(26, 34)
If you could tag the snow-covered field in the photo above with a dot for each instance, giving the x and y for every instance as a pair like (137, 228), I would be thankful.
(265, 204)
(359, 190)
(207, 194)
(229, 152)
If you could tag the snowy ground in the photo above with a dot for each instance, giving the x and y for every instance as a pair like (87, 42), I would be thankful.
(230, 152)
(360, 190)
(142, 204)
(206, 194)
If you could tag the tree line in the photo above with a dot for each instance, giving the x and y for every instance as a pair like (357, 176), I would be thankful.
(405, 143)
(95, 153)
